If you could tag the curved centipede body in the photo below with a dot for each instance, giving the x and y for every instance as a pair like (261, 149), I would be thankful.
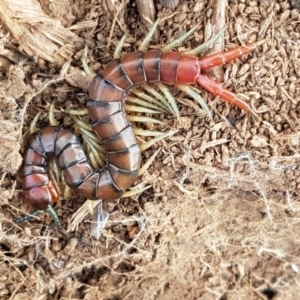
(106, 109)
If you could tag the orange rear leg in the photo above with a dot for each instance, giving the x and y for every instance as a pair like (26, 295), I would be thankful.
(220, 59)
(217, 89)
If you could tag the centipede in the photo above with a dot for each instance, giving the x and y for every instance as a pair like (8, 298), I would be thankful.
(107, 95)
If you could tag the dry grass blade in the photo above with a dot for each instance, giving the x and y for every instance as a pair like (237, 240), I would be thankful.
(37, 33)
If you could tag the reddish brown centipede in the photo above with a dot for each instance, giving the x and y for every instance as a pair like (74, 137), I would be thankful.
(106, 109)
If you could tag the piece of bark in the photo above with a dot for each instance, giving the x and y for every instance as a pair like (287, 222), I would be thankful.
(169, 3)
(147, 13)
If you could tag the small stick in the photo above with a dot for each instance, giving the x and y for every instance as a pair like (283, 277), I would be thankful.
(218, 23)
(147, 13)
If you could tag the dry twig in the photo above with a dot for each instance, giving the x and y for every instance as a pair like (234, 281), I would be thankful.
(37, 33)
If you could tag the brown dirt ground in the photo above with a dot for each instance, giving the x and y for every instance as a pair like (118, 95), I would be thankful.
(221, 220)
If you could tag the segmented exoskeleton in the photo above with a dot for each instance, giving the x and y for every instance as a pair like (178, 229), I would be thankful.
(106, 108)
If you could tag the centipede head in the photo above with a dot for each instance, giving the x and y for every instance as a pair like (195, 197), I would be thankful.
(41, 198)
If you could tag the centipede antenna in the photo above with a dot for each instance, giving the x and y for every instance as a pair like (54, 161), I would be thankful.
(157, 98)
(142, 132)
(30, 216)
(143, 103)
(144, 45)
(135, 190)
(150, 143)
(118, 50)
(85, 65)
(170, 98)
(148, 163)
(50, 210)
(203, 47)
(196, 96)
(178, 41)
(143, 119)
(135, 108)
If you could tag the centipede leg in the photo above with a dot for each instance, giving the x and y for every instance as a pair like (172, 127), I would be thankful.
(178, 41)
(118, 50)
(144, 45)
(205, 46)
(85, 65)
